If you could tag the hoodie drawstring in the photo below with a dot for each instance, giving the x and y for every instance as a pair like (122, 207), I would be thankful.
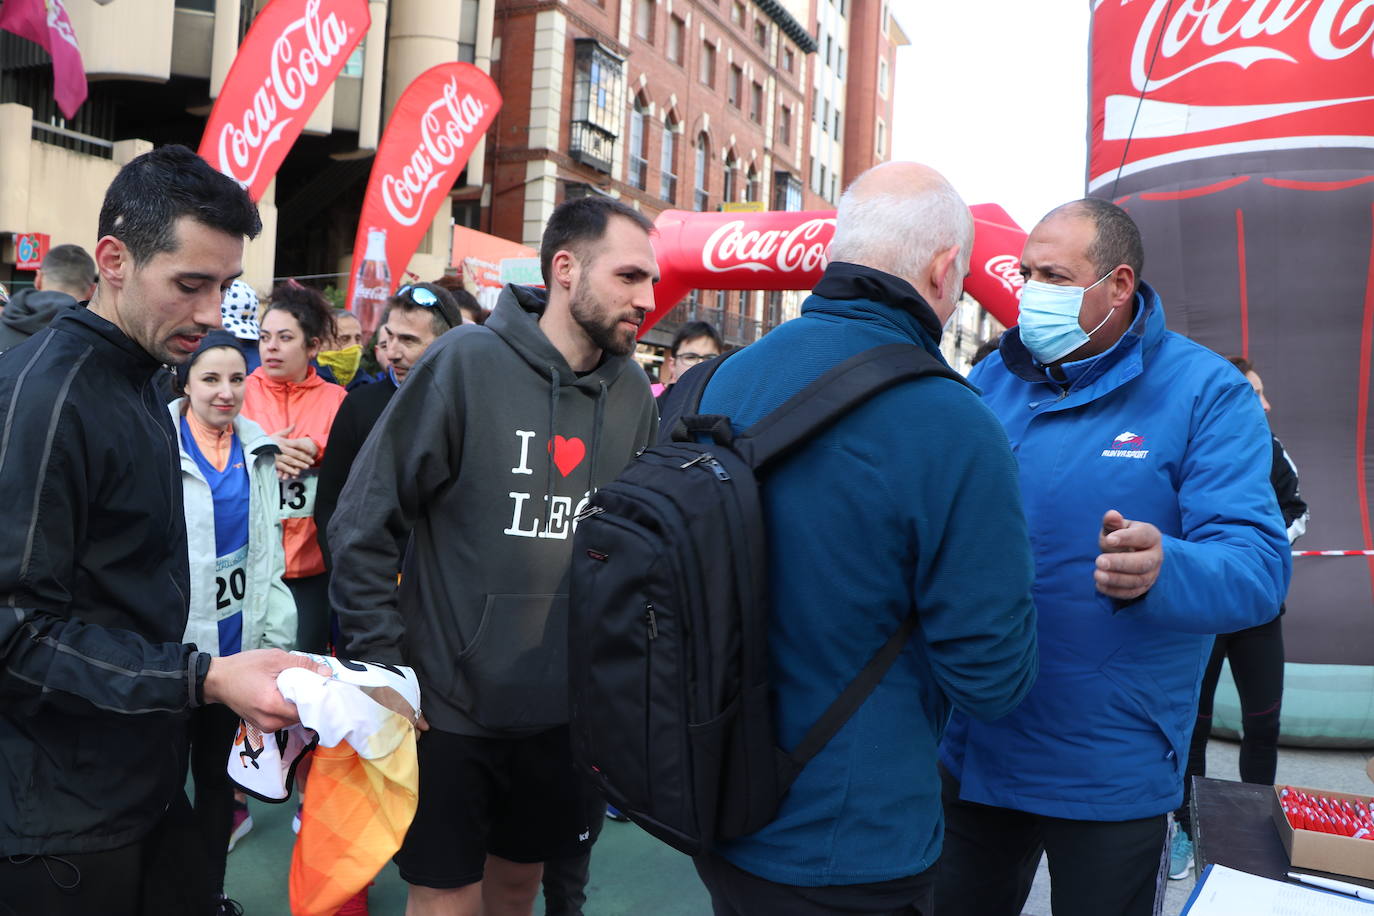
(596, 435)
(553, 431)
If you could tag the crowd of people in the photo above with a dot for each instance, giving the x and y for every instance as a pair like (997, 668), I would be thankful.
(1070, 527)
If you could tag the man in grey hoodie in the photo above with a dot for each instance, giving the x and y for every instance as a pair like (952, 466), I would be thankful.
(485, 456)
(65, 280)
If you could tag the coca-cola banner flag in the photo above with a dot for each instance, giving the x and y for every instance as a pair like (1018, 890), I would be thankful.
(428, 140)
(779, 249)
(45, 23)
(287, 62)
(1174, 81)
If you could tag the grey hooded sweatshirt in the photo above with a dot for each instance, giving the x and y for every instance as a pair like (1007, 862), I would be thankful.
(484, 455)
(30, 311)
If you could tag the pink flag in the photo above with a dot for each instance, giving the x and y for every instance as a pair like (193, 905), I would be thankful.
(45, 23)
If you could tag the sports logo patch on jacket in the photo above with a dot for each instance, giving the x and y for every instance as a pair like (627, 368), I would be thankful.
(1126, 445)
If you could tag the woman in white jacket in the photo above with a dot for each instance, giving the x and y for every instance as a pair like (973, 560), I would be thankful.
(233, 533)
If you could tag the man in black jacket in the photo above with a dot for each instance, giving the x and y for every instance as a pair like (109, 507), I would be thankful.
(64, 281)
(95, 683)
(414, 319)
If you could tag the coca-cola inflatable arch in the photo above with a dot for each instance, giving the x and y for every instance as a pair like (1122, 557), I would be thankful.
(1240, 135)
(779, 250)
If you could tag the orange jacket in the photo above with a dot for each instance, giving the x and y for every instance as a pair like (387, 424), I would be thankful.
(310, 405)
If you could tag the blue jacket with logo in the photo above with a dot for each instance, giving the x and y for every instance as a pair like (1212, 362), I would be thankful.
(908, 501)
(1167, 432)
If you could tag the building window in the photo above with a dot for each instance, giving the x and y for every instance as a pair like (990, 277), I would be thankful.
(667, 163)
(829, 51)
(598, 94)
(722, 301)
(751, 186)
(788, 59)
(708, 64)
(731, 185)
(639, 144)
(676, 29)
(735, 88)
(839, 63)
(644, 20)
(785, 125)
(820, 189)
(815, 104)
(787, 191)
(467, 31)
(880, 143)
(756, 103)
(834, 187)
(838, 119)
(737, 13)
(700, 198)
(760, 33)
(882, 77)
(825, 116)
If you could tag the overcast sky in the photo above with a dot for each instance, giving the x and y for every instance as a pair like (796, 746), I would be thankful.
(993, 93)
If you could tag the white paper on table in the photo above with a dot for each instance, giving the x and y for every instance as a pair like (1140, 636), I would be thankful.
(1227, 892)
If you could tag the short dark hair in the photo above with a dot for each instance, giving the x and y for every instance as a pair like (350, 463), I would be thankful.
(1118, 237)
(440, 319)
(985, 349)
(578, 222)
(1243, 364)
(692, 330)
(308, 306)
(69, 266)
(467, 302)
(153, 191)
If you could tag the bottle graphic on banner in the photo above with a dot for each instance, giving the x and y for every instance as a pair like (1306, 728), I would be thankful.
(372, 285)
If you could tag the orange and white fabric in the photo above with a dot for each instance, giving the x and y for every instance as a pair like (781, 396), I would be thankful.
(364, 781)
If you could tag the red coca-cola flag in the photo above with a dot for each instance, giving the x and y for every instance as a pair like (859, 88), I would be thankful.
(426, 145)
(45, 23)
(287, 62)
(1173, 82)
(787, 250)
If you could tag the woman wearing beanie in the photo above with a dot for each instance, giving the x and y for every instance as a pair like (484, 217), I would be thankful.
(286, 396)
(233, 533)
(238, 312)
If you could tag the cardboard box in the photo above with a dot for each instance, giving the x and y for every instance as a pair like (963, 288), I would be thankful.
(1325, 851)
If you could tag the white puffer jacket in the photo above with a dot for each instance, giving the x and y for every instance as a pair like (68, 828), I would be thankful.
(269, 612)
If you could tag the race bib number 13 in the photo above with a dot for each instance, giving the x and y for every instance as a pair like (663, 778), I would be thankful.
(298, 495)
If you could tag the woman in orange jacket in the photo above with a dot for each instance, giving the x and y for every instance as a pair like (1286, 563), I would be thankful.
(286, 397)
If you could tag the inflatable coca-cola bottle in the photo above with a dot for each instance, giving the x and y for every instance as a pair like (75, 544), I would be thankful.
(1240, 136)
(372, 285)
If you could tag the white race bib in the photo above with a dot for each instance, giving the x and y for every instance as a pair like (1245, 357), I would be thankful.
(231, 583)
(298, 495)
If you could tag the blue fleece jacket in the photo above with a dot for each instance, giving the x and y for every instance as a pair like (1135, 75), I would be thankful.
(1164, 431)
(911, 500)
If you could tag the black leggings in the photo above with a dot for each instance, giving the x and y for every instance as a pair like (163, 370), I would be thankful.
(1256, 657)
(212, 734)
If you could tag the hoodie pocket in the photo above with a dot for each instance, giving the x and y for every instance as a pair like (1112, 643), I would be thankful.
(516, 667)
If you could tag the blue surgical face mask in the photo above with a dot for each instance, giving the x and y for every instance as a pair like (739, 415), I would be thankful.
(1049, 319)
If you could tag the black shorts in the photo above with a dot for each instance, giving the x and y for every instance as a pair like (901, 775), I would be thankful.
(516, 798)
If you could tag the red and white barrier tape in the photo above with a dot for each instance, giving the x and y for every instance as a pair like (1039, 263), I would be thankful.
(1333, 553)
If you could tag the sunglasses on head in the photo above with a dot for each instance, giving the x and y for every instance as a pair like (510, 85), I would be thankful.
(424, 298)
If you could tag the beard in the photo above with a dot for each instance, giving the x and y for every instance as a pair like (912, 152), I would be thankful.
(601, 327)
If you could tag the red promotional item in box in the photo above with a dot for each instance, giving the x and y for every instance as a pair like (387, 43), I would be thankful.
(1319, 834)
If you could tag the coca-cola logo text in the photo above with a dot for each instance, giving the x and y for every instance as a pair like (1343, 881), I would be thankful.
(1245, 32)
(1006, 270)
(441, 138)
(305, 47)
(802, 248)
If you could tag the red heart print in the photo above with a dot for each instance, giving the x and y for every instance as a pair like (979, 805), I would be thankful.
(567, 453)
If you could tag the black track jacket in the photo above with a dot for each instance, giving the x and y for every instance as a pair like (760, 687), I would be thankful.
(94, 680)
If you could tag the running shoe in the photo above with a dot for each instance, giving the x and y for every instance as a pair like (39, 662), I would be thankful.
(1180, 855)
(242, 823)
(615, 814)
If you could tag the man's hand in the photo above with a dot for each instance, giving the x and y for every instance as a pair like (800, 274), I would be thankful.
(247, 684)
(297, 455)
(1132, 553)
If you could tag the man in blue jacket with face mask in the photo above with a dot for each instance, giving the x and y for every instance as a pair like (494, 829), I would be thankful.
(1144, 462)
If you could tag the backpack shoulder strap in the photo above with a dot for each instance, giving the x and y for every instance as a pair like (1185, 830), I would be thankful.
(833, 395)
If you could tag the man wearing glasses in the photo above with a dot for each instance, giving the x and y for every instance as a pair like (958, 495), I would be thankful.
(695, 342)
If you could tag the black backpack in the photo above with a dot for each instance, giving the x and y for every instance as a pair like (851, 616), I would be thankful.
(668, 615)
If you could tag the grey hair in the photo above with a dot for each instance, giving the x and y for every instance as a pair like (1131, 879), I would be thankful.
(902, 233)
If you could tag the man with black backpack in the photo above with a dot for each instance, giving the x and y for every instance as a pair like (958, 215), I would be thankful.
(898, 528)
